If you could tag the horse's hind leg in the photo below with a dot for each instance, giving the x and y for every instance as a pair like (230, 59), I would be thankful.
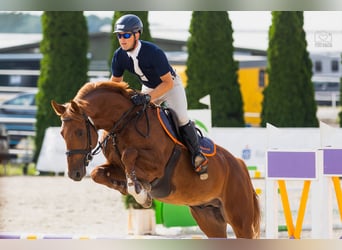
(242, 209)
(242, 214)
(210, 221)
(242, 226)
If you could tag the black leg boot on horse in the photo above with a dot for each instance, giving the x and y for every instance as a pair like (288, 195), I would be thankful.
(199, 161)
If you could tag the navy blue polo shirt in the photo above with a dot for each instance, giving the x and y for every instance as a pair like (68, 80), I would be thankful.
(152, 62)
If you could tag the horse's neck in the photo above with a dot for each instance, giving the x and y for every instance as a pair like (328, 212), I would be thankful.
(106, 109)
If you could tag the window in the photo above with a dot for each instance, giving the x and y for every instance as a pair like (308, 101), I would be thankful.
(22, 99)
(334, 66)
(318, 66)
(15, 80)
(261, 78)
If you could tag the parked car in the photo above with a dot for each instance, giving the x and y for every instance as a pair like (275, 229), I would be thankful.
(18, 116)
(22, 105)
(327, 90)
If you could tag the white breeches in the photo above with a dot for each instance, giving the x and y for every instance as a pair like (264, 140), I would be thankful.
(175, 99)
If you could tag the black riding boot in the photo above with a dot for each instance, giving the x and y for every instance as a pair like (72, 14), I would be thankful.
(199, 161)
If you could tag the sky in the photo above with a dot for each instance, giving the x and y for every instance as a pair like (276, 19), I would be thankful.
(250, 27)
(243, 20)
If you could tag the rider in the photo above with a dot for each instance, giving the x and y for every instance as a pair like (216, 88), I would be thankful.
(159, 81)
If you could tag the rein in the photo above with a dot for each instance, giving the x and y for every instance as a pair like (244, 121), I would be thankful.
(115, 130)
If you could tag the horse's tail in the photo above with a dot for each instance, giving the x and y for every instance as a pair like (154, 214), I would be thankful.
(256, 215)
(256, 204)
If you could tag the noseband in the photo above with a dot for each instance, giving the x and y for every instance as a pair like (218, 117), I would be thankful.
(87, 152)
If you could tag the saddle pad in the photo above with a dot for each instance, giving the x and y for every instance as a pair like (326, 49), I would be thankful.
(208, 147)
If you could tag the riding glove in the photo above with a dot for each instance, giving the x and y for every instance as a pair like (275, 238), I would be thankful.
(141, 99)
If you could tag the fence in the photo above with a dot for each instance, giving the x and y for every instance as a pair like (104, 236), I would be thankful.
(310, 156)
(20, 148)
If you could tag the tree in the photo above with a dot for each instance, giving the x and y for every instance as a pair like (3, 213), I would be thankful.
(64, 65)
(289, 96)
(19, 23)
(128, 77)
(211, 68)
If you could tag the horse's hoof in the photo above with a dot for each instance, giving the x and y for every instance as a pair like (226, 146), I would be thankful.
(148, 202)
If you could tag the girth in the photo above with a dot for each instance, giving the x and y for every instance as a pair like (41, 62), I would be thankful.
(161, 187)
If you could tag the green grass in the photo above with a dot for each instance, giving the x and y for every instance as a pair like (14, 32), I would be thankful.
(16, 169)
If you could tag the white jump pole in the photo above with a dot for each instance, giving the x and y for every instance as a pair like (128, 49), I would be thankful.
(322, 225)
(321, 204)
(271, 213)
(291, 155)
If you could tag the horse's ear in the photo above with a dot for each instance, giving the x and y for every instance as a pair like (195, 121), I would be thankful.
(74, 107)
(58, 108)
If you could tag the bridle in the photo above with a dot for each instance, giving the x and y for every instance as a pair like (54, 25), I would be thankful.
(87, 152)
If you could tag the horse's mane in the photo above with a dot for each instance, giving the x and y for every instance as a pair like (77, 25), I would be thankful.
(120, 87)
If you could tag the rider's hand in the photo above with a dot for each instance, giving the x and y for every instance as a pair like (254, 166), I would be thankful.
(141, 99)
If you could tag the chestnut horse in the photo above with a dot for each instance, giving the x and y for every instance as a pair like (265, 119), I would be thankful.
(139, 153)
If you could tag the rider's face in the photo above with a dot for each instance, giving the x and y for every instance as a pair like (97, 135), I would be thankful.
(127, 43)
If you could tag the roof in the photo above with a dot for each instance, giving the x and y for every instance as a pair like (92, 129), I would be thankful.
(21, 56)
(13, 40)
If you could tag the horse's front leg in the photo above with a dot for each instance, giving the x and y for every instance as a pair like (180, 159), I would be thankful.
(134, 187)
(110, 176)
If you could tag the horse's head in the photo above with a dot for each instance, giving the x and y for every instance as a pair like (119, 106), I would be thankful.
(80, 137)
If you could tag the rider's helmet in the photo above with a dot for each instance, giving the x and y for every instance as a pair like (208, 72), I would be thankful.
(128, 23)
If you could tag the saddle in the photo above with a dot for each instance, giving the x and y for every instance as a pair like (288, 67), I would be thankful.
(162, 187)
(167, 118)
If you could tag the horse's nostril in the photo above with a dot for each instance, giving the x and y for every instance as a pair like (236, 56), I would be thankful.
(78, 175)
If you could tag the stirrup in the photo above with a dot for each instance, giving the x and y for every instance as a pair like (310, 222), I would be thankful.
(201, 167)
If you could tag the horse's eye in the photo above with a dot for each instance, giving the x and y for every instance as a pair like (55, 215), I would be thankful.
(79, 132)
